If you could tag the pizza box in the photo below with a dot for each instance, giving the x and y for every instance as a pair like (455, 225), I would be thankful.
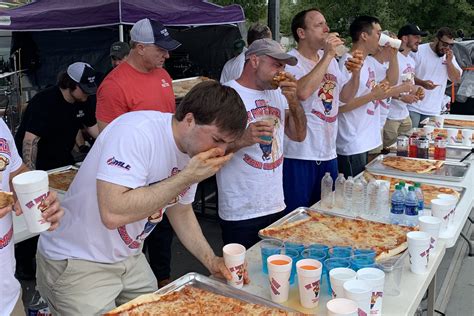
(450, 171)
(212, 285)
(59, 171)
(302, 213)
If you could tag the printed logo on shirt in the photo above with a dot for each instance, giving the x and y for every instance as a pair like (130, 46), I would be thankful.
(7, 238)
(371, 80)
(326, 92)
(164, 83)
(153, 220)
(4, 147)
(80, 114)
(117, 163)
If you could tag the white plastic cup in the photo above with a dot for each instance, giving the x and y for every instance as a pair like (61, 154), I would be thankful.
(341, 307)
(443, 209)
(419, 244)
(309, 282)
(428, 130)
(360, 292)
(452, 135)
(234, 260)
(376, 279)
(453, 199)
(432, 226)
(279, 277)
(32, 188)
(338, 277)
(467, 137)
(439, 121)
(385, 40)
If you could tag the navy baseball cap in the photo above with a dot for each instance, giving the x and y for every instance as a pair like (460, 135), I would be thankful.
(148, 31)
(84, 75)
(411, 29)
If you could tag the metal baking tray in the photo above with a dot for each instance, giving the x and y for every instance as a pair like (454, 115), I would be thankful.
(455, 152)
(61, 170)
(450, 171)
(460, 190)
(202, 282)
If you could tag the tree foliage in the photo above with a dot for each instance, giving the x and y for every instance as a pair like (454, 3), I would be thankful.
(427, 14)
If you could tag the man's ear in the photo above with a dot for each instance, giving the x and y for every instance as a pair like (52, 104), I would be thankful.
(301, 33)
(189, 119)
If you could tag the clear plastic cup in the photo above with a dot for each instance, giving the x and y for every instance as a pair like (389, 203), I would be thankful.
(365, 260)
(270, 247)
(340, 252)
(333, 263)
(295, 255)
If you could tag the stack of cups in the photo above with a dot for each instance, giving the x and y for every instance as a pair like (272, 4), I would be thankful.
(428, 129)
(338, 276)
(454, 200)
(467, 137)
(279, 269)
(234, 259)
(342, 307)
(376, 279)
(444, 210)
(309, 281)
(32, 188)
(360, 292)
(430, 225)
(452, 135)
(439, 121)
(419, 244)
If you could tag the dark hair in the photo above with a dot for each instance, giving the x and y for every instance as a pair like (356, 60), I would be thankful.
(212, 103)
(258, 31)
(362, 24)
(445, 31)
(298, 22)
(66, 82)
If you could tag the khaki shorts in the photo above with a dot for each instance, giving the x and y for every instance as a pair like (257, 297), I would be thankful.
(19, 309)
(80, 287)
(394, 128)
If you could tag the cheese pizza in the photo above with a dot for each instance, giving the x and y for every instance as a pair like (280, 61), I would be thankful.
(386, 239)
(62, 180)
(461, 123)
(412, 165)
(191, 300)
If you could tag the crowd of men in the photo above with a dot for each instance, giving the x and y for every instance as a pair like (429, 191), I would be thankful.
(269, 142)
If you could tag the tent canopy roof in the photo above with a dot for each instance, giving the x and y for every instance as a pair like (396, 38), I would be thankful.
(45, 15)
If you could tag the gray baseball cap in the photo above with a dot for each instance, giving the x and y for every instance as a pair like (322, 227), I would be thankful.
(148, 31)
(269, 47)
(84, 75)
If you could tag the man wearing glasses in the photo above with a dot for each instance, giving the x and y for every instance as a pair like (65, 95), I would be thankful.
(434, 65)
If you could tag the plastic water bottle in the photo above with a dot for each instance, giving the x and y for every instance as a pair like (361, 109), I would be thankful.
(348, 185)
(326, 191)
(404, 188)
(339, 193)
(383, 200)
(372, 192)
(420, 197)
(398, 206)
(358, 197)
(411, 208)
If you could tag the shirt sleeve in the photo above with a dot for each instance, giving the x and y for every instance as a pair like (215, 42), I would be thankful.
(111, 101)
(15, 159)
(37, 119)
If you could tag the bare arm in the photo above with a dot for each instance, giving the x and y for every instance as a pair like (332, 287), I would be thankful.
(379, 92)
(295, 119)
(392, 71)
(453, 73)
(101, 125)
(120, 205)
(187, 228)
(30, 149)
(93, 130)
(308, 84)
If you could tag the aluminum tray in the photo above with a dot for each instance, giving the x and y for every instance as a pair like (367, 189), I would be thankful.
(211, 285)
(455, 152)
(450, 171)
(61, 170)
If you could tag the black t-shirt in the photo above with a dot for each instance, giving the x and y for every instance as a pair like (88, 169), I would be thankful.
(56, 122)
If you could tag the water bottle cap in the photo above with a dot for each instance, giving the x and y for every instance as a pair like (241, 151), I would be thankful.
(398, 187)
(417, 184)
(411, 189)
(401, 183)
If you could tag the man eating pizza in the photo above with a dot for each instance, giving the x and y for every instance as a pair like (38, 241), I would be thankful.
(143, 163)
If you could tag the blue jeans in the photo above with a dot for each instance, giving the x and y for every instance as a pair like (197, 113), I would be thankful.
(416, 118)
(302, 181)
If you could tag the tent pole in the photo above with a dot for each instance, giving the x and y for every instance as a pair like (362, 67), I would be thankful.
(274, 18)
(121, 32)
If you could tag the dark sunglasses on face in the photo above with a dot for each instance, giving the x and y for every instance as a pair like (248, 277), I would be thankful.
(445, 44)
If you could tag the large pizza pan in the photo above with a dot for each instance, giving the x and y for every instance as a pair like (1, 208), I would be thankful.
(200, 281)
(459, 190)
(450, 171)
(59, 171)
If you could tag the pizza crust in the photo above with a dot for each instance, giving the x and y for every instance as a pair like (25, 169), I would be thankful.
(392, 252)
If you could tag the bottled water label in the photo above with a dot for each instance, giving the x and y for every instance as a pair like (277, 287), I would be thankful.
(398, 207)
(411, 209)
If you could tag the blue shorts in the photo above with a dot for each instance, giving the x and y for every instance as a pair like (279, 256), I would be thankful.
(302, 181)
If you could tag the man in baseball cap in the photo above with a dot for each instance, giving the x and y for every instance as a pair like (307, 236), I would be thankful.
(85, 76)
(148, 31)
(269, 47)
(411, 29)
(118, 52)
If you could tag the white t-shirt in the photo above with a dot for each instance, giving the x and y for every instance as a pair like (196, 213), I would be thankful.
(428, 66)
(406, 67)
(321, 110)
(10, 161)
(359, 129)
(380, 74)
(135, 150)
(251, 183)
(233, 68)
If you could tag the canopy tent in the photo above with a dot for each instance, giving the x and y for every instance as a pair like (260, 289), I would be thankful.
(55, 33)
(47, 15)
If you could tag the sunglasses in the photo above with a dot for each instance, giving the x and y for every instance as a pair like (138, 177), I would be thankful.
(446, 44)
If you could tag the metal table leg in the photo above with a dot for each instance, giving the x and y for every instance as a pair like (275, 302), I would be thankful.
(431, 296)
(469, 244)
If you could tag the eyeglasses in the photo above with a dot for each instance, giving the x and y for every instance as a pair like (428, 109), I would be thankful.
(446, 44)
